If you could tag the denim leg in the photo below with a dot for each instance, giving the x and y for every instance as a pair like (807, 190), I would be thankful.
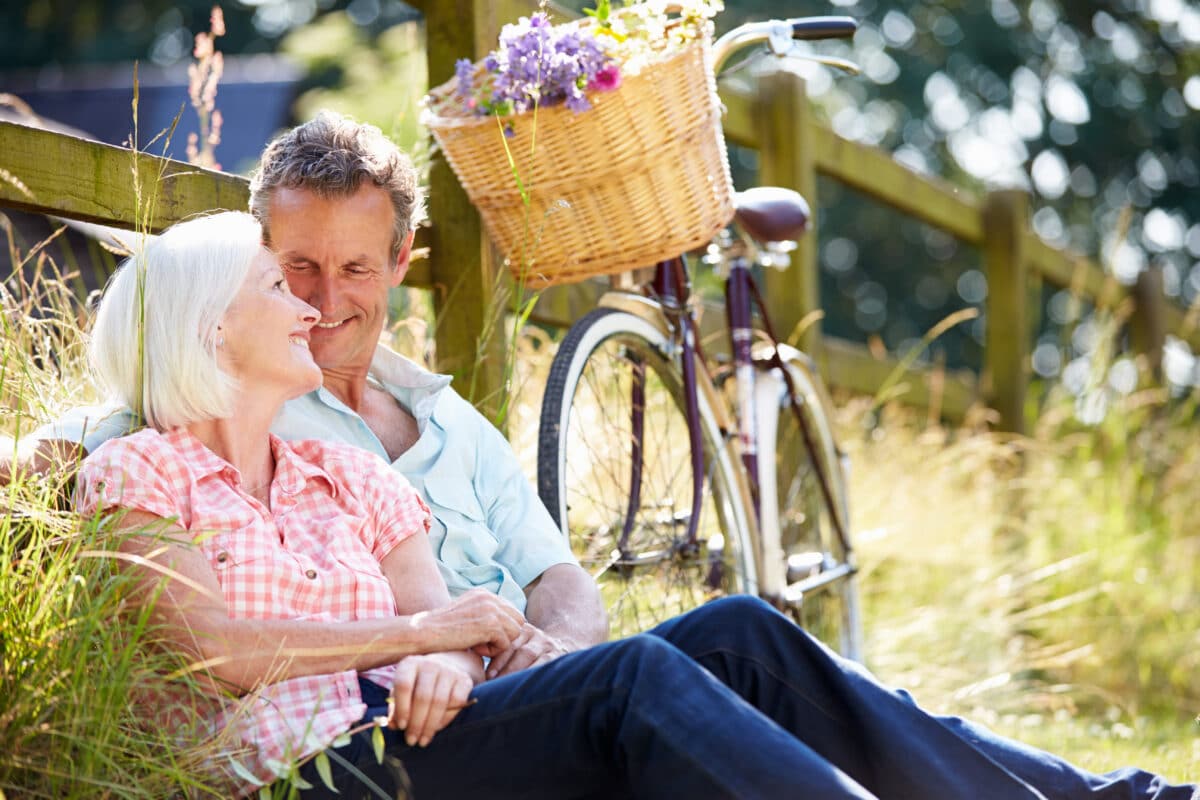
(628, 719)
(877, 736)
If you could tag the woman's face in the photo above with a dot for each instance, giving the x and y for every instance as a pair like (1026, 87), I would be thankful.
(263, 338)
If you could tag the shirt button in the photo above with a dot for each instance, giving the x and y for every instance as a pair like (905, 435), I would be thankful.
(311, 574)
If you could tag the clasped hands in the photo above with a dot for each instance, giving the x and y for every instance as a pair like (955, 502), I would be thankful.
(429, 691)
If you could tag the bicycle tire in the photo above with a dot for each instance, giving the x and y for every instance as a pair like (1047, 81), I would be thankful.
(821, 593)
(585, 460)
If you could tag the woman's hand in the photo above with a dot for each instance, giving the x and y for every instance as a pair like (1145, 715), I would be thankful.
(427, 693)
(477, 620)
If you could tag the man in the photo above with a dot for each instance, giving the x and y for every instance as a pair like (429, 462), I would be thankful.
(337, 203)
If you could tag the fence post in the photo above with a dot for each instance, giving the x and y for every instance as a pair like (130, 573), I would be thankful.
(1147, 326)
(1007, 346)
(462, 262)
(787, 157)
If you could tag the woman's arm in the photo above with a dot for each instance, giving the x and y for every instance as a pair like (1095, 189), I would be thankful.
(428, 691)
(247, 653)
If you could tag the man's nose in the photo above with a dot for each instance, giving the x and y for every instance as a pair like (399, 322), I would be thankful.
(326, 295)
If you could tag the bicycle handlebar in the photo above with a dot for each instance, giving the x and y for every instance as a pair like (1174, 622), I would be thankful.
(823, 27)
(780, 33)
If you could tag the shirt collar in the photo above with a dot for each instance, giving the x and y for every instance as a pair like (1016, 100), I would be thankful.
(291, 471)
(403, 375)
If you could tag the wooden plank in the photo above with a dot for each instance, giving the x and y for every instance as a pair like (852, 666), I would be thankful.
(868, 170)
(1147, 324)
(1069, 270)
(877, 175)
(851, 366)
(561, 306)
(1007, 363)
(62, 175)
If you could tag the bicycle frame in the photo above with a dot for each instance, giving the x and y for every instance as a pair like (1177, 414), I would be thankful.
(668, 309)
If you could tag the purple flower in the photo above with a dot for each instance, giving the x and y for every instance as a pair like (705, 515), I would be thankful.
(540, 64)
(463, 70)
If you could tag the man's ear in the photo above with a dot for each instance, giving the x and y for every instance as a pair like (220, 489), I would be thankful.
(401, 265)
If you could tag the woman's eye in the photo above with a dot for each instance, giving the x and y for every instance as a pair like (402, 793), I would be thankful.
(279, 284)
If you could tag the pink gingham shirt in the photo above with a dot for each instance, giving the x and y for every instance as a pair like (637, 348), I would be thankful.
(336, 511)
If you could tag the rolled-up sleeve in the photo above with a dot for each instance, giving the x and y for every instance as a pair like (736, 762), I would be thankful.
(128, 474)
(396, 509)
(529, 541)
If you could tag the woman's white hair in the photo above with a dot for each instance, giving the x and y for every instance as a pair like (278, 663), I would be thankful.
(154, 341)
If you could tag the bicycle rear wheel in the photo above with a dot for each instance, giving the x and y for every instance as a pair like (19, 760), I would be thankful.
(589, 446)
(821, 593)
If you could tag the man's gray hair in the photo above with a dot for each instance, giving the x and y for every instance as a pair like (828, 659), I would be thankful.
(164, 304)
(332, 156)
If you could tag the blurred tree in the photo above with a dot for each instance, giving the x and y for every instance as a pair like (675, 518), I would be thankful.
(35, 33)
(1090, 106)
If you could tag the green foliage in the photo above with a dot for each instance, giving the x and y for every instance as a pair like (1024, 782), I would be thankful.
(378, 79)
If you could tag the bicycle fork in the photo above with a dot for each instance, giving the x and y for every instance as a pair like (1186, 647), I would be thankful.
(670, 285)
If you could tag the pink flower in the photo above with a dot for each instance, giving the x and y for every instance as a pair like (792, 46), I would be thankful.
(606, 79)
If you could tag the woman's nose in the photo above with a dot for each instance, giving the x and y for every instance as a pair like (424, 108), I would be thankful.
(308, 315)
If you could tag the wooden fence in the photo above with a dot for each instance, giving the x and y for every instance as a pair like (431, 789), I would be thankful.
(61, 175)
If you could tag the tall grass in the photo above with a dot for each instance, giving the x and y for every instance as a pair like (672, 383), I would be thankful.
(74, 652)
(1045, 586)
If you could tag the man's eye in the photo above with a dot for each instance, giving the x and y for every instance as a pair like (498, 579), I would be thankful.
(295, 267)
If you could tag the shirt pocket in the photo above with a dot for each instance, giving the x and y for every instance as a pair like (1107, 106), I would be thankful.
(367, 585)
(235, 549)
(450, 486)
(252, 571)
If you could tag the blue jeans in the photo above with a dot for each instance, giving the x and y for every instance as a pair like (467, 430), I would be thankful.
(728, 701)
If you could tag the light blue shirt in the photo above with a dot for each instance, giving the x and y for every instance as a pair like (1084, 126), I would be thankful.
(489, 529)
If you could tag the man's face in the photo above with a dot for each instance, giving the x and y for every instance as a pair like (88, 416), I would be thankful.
(335, 253)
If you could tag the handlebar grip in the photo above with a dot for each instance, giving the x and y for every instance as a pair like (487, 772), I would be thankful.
(823, 27)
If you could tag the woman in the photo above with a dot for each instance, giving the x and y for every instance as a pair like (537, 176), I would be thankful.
(299, 572)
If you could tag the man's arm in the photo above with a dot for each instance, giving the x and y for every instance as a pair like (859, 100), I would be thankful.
(44, 457)
(563, 605)
(564, 613)
(60, 445)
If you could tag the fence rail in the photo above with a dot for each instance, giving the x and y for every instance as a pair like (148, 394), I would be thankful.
(62, 175)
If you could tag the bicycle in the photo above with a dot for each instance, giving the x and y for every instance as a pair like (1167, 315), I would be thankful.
(676, 482)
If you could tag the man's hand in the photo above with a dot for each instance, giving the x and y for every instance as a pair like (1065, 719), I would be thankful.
(427, 694)
(532, 646)
(478, 620)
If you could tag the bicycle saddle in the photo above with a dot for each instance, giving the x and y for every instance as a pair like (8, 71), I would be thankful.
(771, 214)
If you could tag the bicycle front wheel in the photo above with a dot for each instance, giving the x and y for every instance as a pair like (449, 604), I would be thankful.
(615, 472)
(813, 519)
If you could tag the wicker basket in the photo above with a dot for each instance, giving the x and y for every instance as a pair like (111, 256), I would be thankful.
(639, 178)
